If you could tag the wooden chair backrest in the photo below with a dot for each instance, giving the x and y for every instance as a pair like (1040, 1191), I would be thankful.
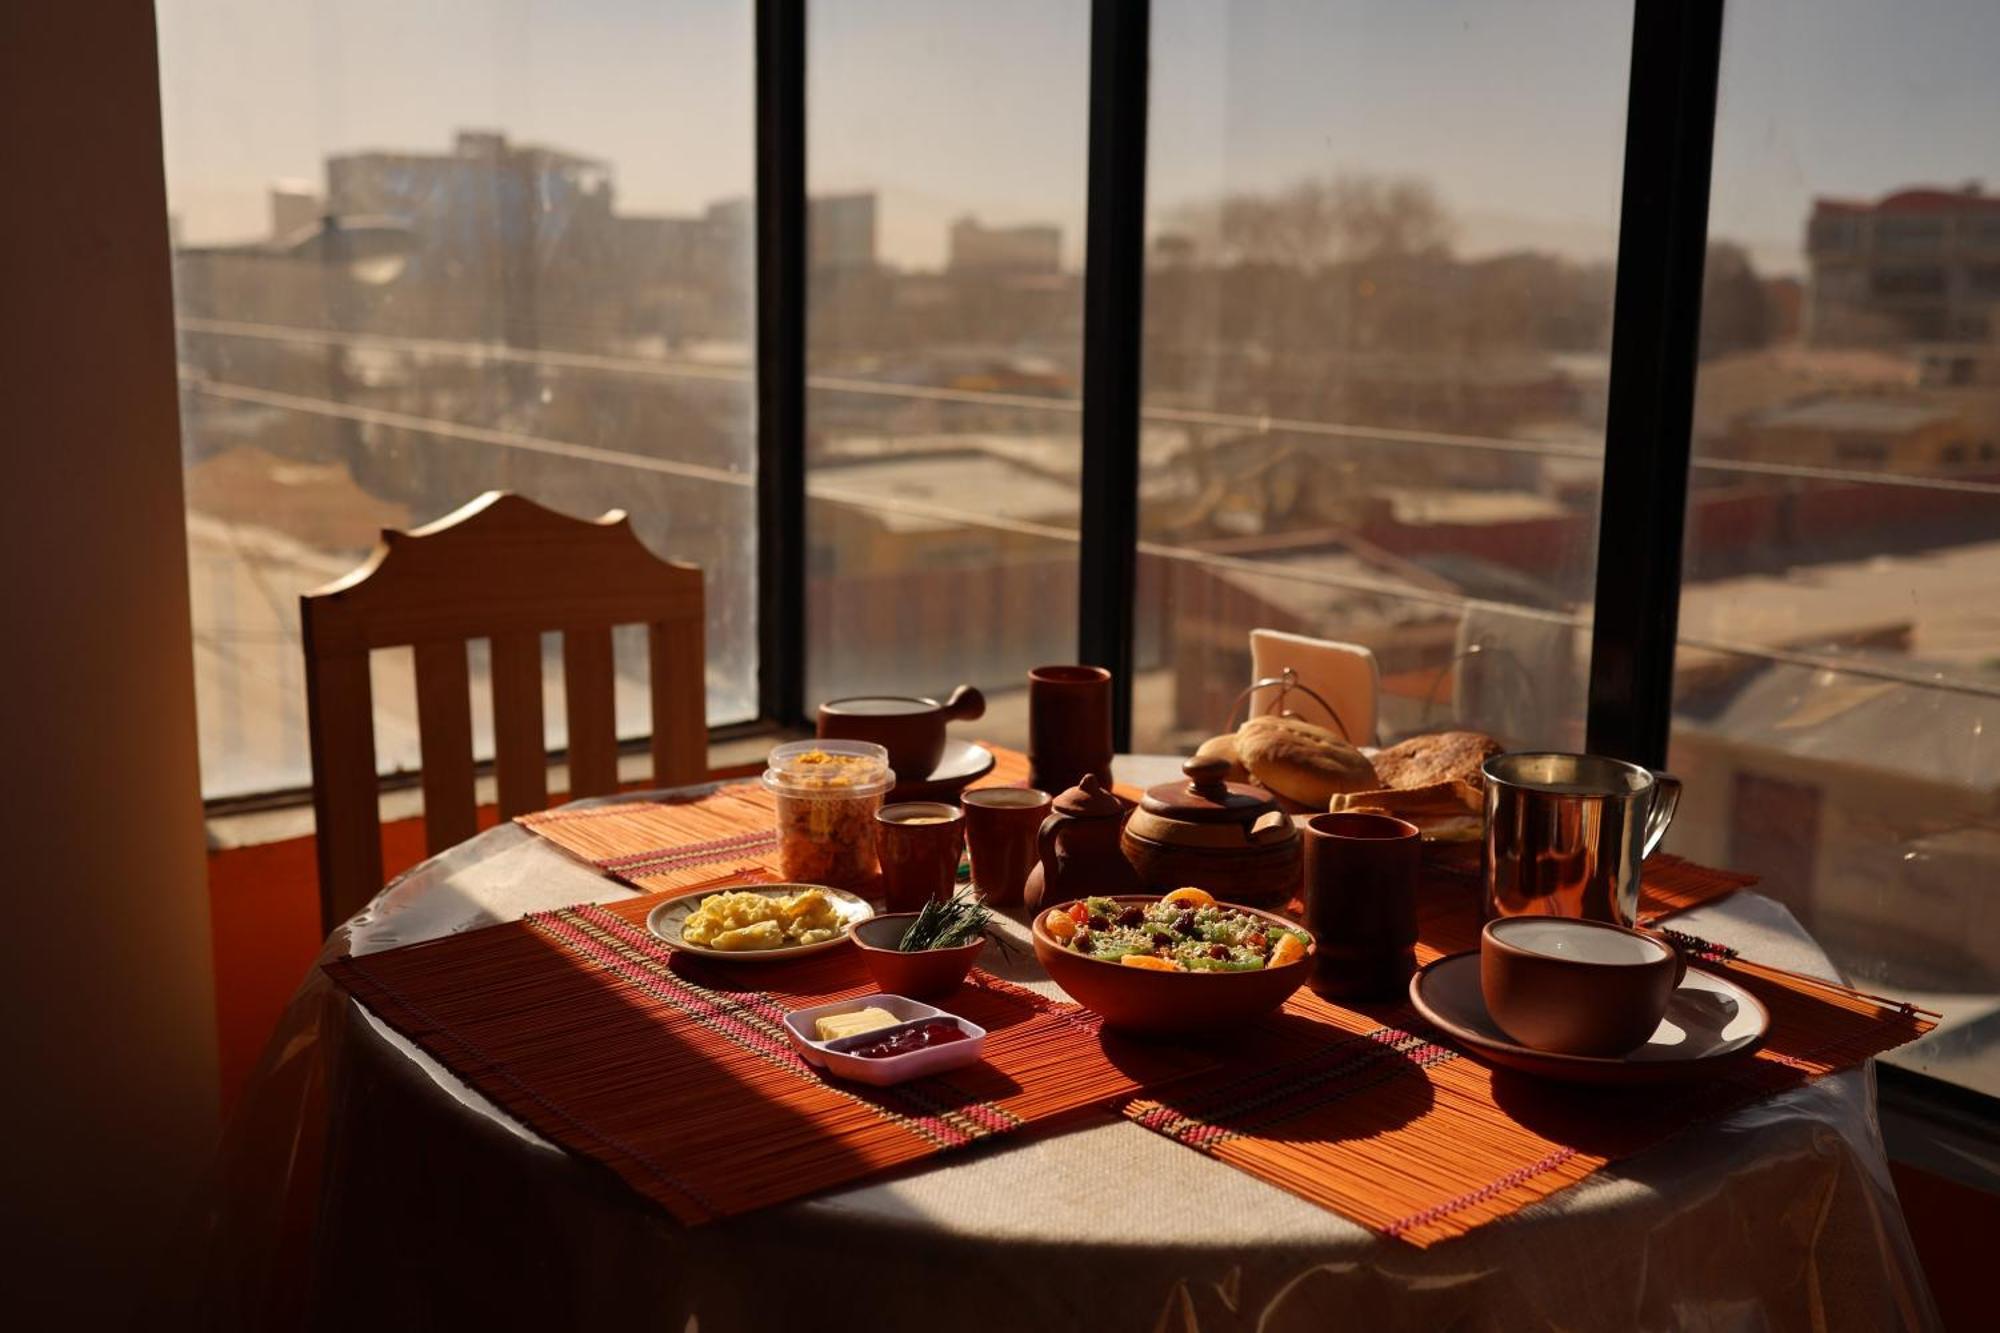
(504, 569)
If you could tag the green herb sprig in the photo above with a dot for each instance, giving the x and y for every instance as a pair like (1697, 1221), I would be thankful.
(945, 925)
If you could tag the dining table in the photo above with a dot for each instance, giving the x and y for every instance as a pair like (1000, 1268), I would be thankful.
(362, 1184)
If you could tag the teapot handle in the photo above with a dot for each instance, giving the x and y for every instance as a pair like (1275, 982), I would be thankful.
(1045, 844)
(1666, 799)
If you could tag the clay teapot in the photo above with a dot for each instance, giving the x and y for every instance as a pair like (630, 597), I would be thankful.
(1227, 837)
(1079, 849)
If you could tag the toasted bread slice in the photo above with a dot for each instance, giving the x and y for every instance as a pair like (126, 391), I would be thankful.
(1449, 811)
(1440, 756)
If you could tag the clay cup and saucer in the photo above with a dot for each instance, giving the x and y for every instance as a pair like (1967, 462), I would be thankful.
(929, 765)
(1588, 1002)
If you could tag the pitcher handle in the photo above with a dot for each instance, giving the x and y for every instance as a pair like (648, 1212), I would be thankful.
(1666, 799)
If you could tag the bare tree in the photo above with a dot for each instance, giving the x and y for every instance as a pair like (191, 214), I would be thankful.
(1319, 222)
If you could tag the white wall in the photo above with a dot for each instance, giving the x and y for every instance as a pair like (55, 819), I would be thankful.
(107, 1033)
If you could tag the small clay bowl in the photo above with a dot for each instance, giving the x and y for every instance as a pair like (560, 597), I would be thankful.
(1136, 999)
(917, 975)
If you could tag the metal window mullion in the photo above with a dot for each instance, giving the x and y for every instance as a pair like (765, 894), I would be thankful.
(1114, 298)
(1656, 325)
(781, 359)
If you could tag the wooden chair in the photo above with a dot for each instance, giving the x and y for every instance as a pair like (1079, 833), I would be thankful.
(505, 569)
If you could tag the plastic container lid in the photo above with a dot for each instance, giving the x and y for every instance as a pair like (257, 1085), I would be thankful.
(829, 770)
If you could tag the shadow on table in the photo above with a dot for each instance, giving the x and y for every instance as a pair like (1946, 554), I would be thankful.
(1291, 1078)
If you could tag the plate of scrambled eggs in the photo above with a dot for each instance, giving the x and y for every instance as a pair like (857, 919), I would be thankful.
(759, 923)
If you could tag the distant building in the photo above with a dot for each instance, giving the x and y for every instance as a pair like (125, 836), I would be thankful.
(841, 228)
(296, 208)
(1920, 265)
(1869, 434)
(483, 185)
(1031, 248)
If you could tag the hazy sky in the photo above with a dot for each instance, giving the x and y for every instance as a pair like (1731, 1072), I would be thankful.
(1514, 112)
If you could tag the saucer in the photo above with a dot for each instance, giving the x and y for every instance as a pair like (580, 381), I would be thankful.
(964, 763)
(1710, 1021)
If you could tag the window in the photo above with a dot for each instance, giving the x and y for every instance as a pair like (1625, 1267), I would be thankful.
(1909, 233)
(1377, 322)
(442, 253)
(422, 252)
(945, 312)
(1837, 700)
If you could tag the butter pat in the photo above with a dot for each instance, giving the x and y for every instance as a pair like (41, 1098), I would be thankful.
(834, 1026)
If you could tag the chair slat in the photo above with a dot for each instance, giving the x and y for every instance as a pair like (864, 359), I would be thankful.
(341, 729)
(444, 731)
(680, 702)
(591, 708)
(518, 751)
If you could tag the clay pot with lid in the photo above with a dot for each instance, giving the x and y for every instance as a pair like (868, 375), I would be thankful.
(1080, 856)
(1227, 837)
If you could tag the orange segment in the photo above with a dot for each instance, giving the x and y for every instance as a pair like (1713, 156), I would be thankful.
(1059, 925)
(1288, 950)
(1151, 962)
(1193, 897)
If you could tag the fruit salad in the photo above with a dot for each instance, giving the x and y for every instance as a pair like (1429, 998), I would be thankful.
(1186, 931)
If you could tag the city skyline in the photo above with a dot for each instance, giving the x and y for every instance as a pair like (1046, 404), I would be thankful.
(1243, 98)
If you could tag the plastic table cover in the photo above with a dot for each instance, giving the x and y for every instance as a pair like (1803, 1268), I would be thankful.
(359, 1181)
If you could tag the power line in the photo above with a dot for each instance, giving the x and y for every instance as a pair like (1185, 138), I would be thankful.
(477, 352)
(834, 493)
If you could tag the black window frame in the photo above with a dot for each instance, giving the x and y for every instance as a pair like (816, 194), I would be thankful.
(1663, 235)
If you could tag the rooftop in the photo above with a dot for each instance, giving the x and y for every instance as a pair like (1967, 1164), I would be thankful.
(1920, 199)
(1875, 416)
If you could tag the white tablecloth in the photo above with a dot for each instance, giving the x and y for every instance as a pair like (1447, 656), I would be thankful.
(438, 1210)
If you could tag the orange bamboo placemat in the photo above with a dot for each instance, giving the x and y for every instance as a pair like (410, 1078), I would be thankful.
(670, 1071)
(729, 836)
(1369, 1112)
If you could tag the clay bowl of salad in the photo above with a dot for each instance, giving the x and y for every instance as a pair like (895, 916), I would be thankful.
(1179, 963)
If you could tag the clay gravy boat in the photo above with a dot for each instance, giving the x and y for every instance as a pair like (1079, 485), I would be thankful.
(909, 727)
(1576, 987)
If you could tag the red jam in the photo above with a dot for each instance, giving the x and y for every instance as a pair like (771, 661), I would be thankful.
(936, 1032)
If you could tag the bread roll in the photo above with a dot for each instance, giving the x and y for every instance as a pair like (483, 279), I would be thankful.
(1224, 748)
(1298, 760)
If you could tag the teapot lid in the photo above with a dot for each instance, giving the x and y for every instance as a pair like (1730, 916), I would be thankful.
(1207, 797)
(1088, 800)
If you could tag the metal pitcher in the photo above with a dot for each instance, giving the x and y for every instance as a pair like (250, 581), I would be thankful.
(1566, 833)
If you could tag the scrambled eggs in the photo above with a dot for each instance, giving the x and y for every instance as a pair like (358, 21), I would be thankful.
(739, 922)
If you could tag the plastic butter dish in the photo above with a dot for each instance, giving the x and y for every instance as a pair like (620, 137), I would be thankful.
(922, 1052)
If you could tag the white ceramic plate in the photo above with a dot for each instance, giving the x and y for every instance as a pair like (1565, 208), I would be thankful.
(1709, 1022)
(669, 917)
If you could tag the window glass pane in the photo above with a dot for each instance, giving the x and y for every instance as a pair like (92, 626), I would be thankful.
(947, 176)
(1838, 679)
(421, 252)
(1381, 245)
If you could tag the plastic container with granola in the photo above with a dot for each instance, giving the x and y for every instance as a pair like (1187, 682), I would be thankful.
(827, 793)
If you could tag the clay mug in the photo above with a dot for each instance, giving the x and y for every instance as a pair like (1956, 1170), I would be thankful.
(1001, 829)
(1361, 903)
(1069, 726)
(918, 843)
(1576, 987)
(909, 727)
